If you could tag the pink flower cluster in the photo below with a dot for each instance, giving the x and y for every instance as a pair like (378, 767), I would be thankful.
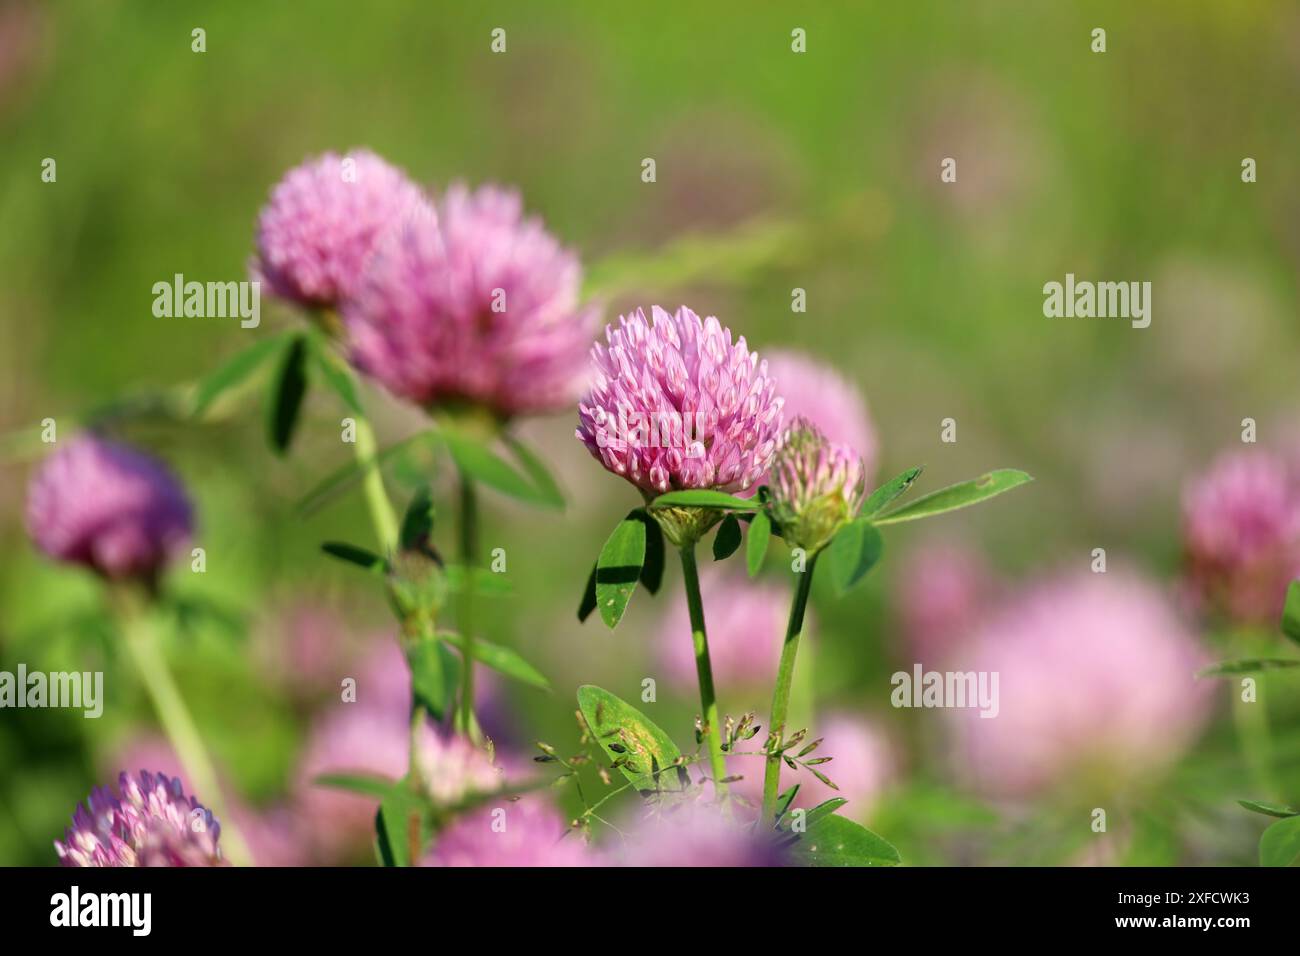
(1096, 676)
(319, 230)
(463, 300)
(108, 507)
(151, 823)
(675, 403)
(1241, 527)
(477, 305)
(817, 486)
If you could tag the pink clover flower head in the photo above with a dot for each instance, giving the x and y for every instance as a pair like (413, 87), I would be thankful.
(109, 507)
(1096, 682)
(323, 222)
(151, 823)
(674, 403)
(817, 486)
(1241, 528)
(477, 306)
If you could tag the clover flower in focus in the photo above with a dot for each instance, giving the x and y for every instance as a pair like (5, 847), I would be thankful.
(151, 823)
(817, 487)
(674, 403)
(1241, 532)
(323, 222)
(476, 306)
(108, 507)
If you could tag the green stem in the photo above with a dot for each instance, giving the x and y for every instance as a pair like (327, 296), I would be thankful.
(465, 607)
(418, 785)
(142, 644)
(382, 515)
(704, 670)
(1252, 724)
(781, 693)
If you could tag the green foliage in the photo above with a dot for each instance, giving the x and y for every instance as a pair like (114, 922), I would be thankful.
(504, 660)
(476, 460)
(542, 479)
(233, 372)
(353, 554)
(652, 569)
(837, 841)
(1291, 612)
(287, 393)
(1247, 666)
(1280, 844)
(417, 521)
(882, 497)
(823, 809)
(79, 255)
(618, 569)
(643, 753)
(484, 581)
(402, 821)
(1269, 809)
(435, 675)
(760, 533)
(852, 553)
(701, 498)
(348, 476)
(367, 786)
(336, 374)
(727, 538)
(956, 496)
(783, 802)
(588, 602)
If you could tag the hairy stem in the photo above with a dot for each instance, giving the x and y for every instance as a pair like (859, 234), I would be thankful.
(781, 693)
(704, 670)
(141, 640)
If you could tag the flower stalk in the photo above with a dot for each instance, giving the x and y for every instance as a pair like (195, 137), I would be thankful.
(382, 515)
(781, 692)
(704, 670)
(141, 641)
(465, 607)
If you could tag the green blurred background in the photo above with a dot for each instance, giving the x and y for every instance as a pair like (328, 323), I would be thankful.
(817, 171)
